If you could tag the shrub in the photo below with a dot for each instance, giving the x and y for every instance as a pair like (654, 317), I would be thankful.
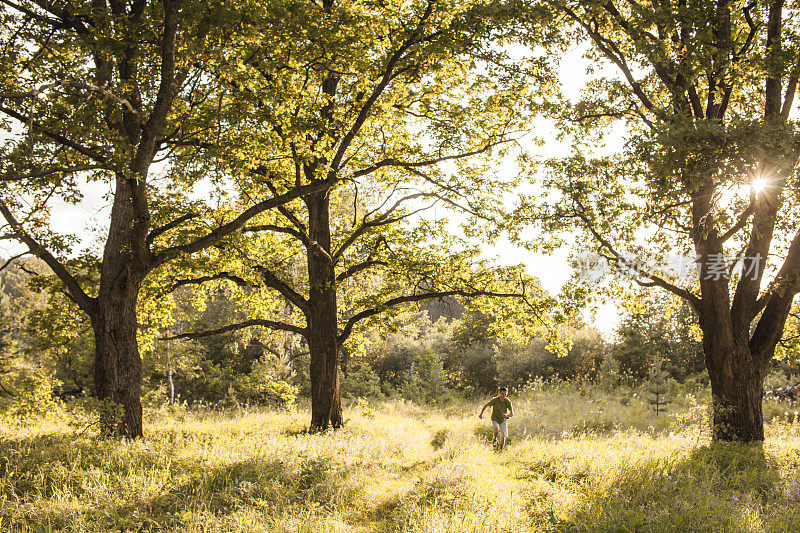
(427, 380)
(264, 385)
(608, 377)
(361, 381)
(34, 396)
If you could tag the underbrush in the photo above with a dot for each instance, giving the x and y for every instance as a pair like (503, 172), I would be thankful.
(578, 460)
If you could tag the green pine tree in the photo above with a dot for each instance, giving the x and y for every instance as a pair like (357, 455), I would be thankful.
(657, 386)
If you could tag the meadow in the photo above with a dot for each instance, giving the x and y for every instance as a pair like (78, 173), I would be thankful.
(579, 459)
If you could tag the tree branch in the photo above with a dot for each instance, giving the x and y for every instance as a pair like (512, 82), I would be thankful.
(202, 279)
(89, 152)
(740, 223)
(366, 313)
(237, 223)
(619, 259)
(272, 281)
(359, 267)
(778, 303)
(77, 85)
(12, 259)
(272, 324)
(46, 172)
(272, 227)
(156, 232)
(76, 292)
(393, 162)
(386, 78)
(380, 220)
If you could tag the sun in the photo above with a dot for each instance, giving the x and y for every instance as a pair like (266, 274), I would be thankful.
(758, 185)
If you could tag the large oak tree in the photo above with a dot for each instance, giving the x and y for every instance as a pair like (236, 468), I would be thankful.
(116, 91)
(706, 91)
(397, 105)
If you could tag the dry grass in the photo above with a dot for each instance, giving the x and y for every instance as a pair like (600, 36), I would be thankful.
(577, 461)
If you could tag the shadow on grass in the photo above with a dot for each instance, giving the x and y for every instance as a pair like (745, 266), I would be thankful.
(721, 487)
(61, 481)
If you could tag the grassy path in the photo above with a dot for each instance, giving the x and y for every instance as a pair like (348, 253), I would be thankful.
(394, 468)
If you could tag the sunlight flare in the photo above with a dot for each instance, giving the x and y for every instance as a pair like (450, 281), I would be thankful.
(758, 185)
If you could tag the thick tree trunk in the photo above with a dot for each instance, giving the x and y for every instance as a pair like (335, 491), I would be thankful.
(326, 408)
(118, 365)
(737, 387)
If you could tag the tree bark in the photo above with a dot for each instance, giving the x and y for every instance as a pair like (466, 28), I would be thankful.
(737, 388)
(326, 408)
(118, 370)
(118, 365)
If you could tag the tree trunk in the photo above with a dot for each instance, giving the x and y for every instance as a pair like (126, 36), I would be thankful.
(737, 386)
(118, 365)
(326, 408)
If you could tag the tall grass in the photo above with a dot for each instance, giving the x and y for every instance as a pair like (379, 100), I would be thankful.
(578, 460)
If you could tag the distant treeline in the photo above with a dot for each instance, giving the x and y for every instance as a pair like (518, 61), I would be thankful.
(430, 354)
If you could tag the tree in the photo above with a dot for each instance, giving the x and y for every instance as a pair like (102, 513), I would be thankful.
(390, 104)
(114, 91)
(656, 326)
(657, 386)
(706, 90)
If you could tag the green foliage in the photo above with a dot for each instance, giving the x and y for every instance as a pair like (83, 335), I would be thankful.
(426, 381)
(34, 397)
(263, 385)
(361, 381)
(608, 376)
(659, 325)
(658, 387)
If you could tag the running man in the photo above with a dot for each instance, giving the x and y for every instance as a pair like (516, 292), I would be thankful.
(502, 410)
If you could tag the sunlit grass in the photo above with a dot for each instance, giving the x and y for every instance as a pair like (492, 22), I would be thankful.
(578, 460)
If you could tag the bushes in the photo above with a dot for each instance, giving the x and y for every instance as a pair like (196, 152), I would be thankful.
(361, 382)
(427, 381)
(264, 386)
(34, 396)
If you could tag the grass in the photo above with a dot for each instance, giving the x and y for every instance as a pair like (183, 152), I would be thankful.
(578, 460)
